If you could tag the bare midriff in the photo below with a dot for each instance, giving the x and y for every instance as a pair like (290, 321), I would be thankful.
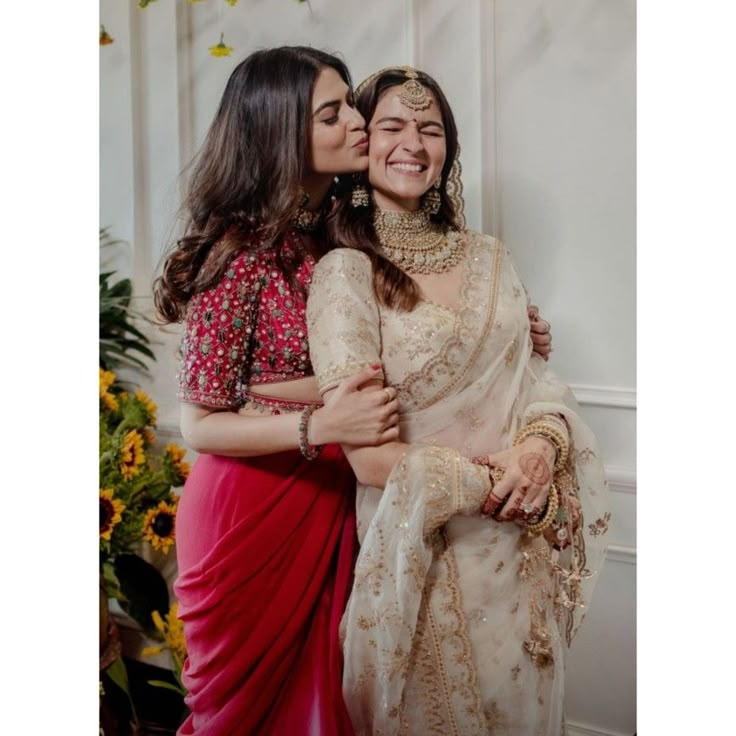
(300, 389)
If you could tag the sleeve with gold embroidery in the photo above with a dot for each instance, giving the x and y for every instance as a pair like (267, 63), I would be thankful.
(342, 317)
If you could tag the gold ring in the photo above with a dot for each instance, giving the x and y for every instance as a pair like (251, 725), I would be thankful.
(388, 395)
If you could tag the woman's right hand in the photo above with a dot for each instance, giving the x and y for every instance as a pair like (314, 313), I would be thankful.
(360, 411)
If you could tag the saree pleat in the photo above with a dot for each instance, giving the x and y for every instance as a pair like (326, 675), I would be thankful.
(265, 552)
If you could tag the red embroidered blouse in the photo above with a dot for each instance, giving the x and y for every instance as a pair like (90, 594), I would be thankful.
(250, 328)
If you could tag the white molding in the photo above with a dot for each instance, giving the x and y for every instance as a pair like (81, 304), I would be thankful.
(185, 78)
(621, 480)
(621, 553)
(141, 180)
(490, 189)
(607, 396)
(578, 729)
(411, 32)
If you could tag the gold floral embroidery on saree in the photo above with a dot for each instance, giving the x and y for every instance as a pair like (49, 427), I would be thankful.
(442, 373)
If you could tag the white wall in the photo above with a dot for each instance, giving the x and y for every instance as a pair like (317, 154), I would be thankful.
(544, 95)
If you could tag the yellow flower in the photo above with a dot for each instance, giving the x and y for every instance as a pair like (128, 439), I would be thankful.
(131, 455)
(105, 37)
(148, 436)
(111, 512)
(147, 401)
(150, 651)
(172, 631)
(159, 527)
(158, 622)
(176, 454)
(110, 401)
(232, 2)
(221, 49)
(107, 378)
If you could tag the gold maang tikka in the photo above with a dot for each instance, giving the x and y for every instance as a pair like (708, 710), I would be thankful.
(412, 94)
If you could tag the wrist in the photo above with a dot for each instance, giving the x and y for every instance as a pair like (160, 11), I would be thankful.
(317, 429)
(549, 428)
(308, 446)
(544, 446)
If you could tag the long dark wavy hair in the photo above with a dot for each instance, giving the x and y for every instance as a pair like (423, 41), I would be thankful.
(245, 180)
(352, 227)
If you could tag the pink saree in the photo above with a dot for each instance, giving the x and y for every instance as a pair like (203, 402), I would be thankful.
(265, 549)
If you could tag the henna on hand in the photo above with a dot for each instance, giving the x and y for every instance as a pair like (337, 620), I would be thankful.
(535, 468)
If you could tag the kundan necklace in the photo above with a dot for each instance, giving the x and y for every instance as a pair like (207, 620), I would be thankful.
(416, 244)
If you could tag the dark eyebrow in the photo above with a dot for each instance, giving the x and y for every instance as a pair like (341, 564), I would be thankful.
(331, 103)
(401, 121)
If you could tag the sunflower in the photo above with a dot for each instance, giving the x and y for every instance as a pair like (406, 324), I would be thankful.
(148, 436)
(107, 378)
(176, 454)
(159, 526)
(111, 512)
(147, 401)
(110, 401)
(221, 49)
(131, 455)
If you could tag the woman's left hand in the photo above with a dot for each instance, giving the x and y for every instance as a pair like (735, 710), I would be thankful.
(540, 333)
(528, 471)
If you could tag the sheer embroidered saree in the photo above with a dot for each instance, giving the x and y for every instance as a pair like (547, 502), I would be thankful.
(456, 624)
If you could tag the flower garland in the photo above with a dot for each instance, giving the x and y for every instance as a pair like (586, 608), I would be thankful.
(220, 49)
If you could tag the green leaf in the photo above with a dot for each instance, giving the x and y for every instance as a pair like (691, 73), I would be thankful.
(168, 686)
(143, 586)
(119, 675)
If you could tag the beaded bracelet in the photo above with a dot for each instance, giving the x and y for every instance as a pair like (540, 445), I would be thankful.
(309, 451)
(551, 433)
(553, 503)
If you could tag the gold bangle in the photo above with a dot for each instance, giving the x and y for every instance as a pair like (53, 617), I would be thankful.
(310, 452)
(553, 503)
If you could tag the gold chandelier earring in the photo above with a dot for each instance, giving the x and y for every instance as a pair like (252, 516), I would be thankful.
(359, 196)
(432, 199)
(305, 220)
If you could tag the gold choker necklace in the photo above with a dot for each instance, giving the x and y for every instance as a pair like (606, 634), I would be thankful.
(416, 244)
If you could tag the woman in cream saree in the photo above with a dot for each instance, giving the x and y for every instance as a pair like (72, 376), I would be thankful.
(457, 624)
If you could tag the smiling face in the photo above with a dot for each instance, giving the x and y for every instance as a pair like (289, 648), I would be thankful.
(338, 142)
(407, 151)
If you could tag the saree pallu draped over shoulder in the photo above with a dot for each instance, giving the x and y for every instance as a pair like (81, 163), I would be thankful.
(266, 551)
(457, 625)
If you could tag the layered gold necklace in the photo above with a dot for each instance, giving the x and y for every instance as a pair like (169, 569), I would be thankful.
(416, 244)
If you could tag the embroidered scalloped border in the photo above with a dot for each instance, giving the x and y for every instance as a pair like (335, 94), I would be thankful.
(474, 271)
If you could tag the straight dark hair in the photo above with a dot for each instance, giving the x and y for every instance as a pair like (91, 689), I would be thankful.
(352, 227)
(245, 181)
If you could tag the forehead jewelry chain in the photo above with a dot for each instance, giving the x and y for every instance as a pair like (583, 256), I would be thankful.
(416, 244)
(412, 94)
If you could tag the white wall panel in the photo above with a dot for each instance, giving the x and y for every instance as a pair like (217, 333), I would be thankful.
(565, 79)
